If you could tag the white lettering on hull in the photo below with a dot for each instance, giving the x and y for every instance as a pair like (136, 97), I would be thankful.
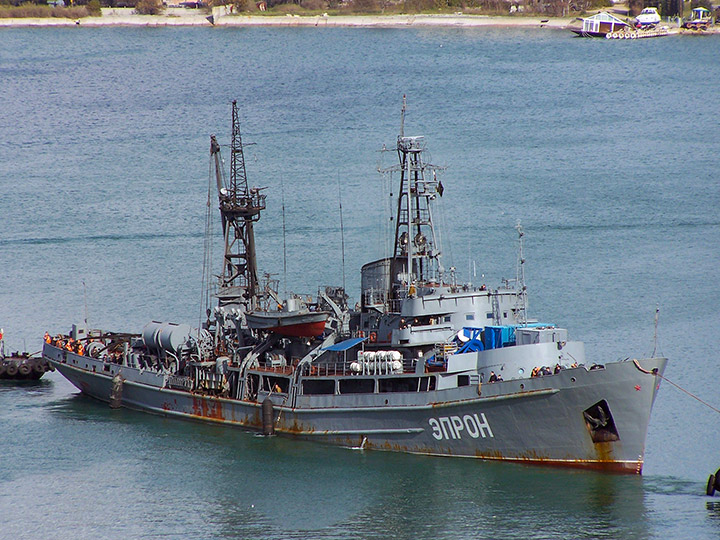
(453, 427)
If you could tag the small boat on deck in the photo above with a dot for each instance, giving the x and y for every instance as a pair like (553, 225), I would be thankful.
(292, 320)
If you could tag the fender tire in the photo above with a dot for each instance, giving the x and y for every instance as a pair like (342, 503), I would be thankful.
(11, 370)
(24, 370)
(710, 490)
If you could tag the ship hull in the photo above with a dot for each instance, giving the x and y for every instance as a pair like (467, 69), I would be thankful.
(533, 421)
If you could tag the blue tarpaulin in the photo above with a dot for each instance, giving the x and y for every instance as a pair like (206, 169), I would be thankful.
(345, 345)
(497, 336)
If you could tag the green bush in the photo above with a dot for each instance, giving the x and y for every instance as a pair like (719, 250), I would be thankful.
(364, 6)
(598, 4)
(149, 7)
(313, 5)
(93, 7)
(418, 6)
(30, 10)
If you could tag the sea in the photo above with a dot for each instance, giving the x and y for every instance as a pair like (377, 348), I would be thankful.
(606, 152)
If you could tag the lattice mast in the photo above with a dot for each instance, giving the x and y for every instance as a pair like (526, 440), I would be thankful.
(416, 246)
(239, 207)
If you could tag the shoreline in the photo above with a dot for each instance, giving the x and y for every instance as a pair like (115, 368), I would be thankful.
(221, 17)
(187, 17)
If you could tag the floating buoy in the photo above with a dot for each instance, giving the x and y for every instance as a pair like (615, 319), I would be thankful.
(268, 417)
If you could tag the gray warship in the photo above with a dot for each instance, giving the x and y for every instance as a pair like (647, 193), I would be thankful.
(423, 365)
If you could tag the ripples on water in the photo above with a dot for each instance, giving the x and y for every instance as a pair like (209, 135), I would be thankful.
(597, 147)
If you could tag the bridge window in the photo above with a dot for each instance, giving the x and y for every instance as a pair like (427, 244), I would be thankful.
(395, 384)
(357, 386)
(318, 386)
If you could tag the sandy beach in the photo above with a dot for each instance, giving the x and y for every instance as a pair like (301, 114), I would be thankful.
(194, 17)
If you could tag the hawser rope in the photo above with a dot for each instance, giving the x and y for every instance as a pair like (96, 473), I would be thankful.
(655, 372)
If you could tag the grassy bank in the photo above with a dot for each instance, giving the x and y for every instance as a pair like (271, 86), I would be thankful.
(29, 10)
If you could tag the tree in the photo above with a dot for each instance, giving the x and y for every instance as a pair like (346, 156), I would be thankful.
(635, 7)
(149, 7)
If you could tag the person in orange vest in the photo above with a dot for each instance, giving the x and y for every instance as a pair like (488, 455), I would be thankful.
(80, 349)
(69, 344)
(47, 338)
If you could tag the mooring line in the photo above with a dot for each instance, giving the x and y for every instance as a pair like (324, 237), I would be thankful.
(655, 372)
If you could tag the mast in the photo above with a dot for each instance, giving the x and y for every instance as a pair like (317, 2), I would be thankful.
(522, 298)
(239, 207)
(416, 252)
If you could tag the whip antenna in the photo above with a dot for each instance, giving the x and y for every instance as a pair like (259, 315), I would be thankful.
(657, 315)
(342, 233)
